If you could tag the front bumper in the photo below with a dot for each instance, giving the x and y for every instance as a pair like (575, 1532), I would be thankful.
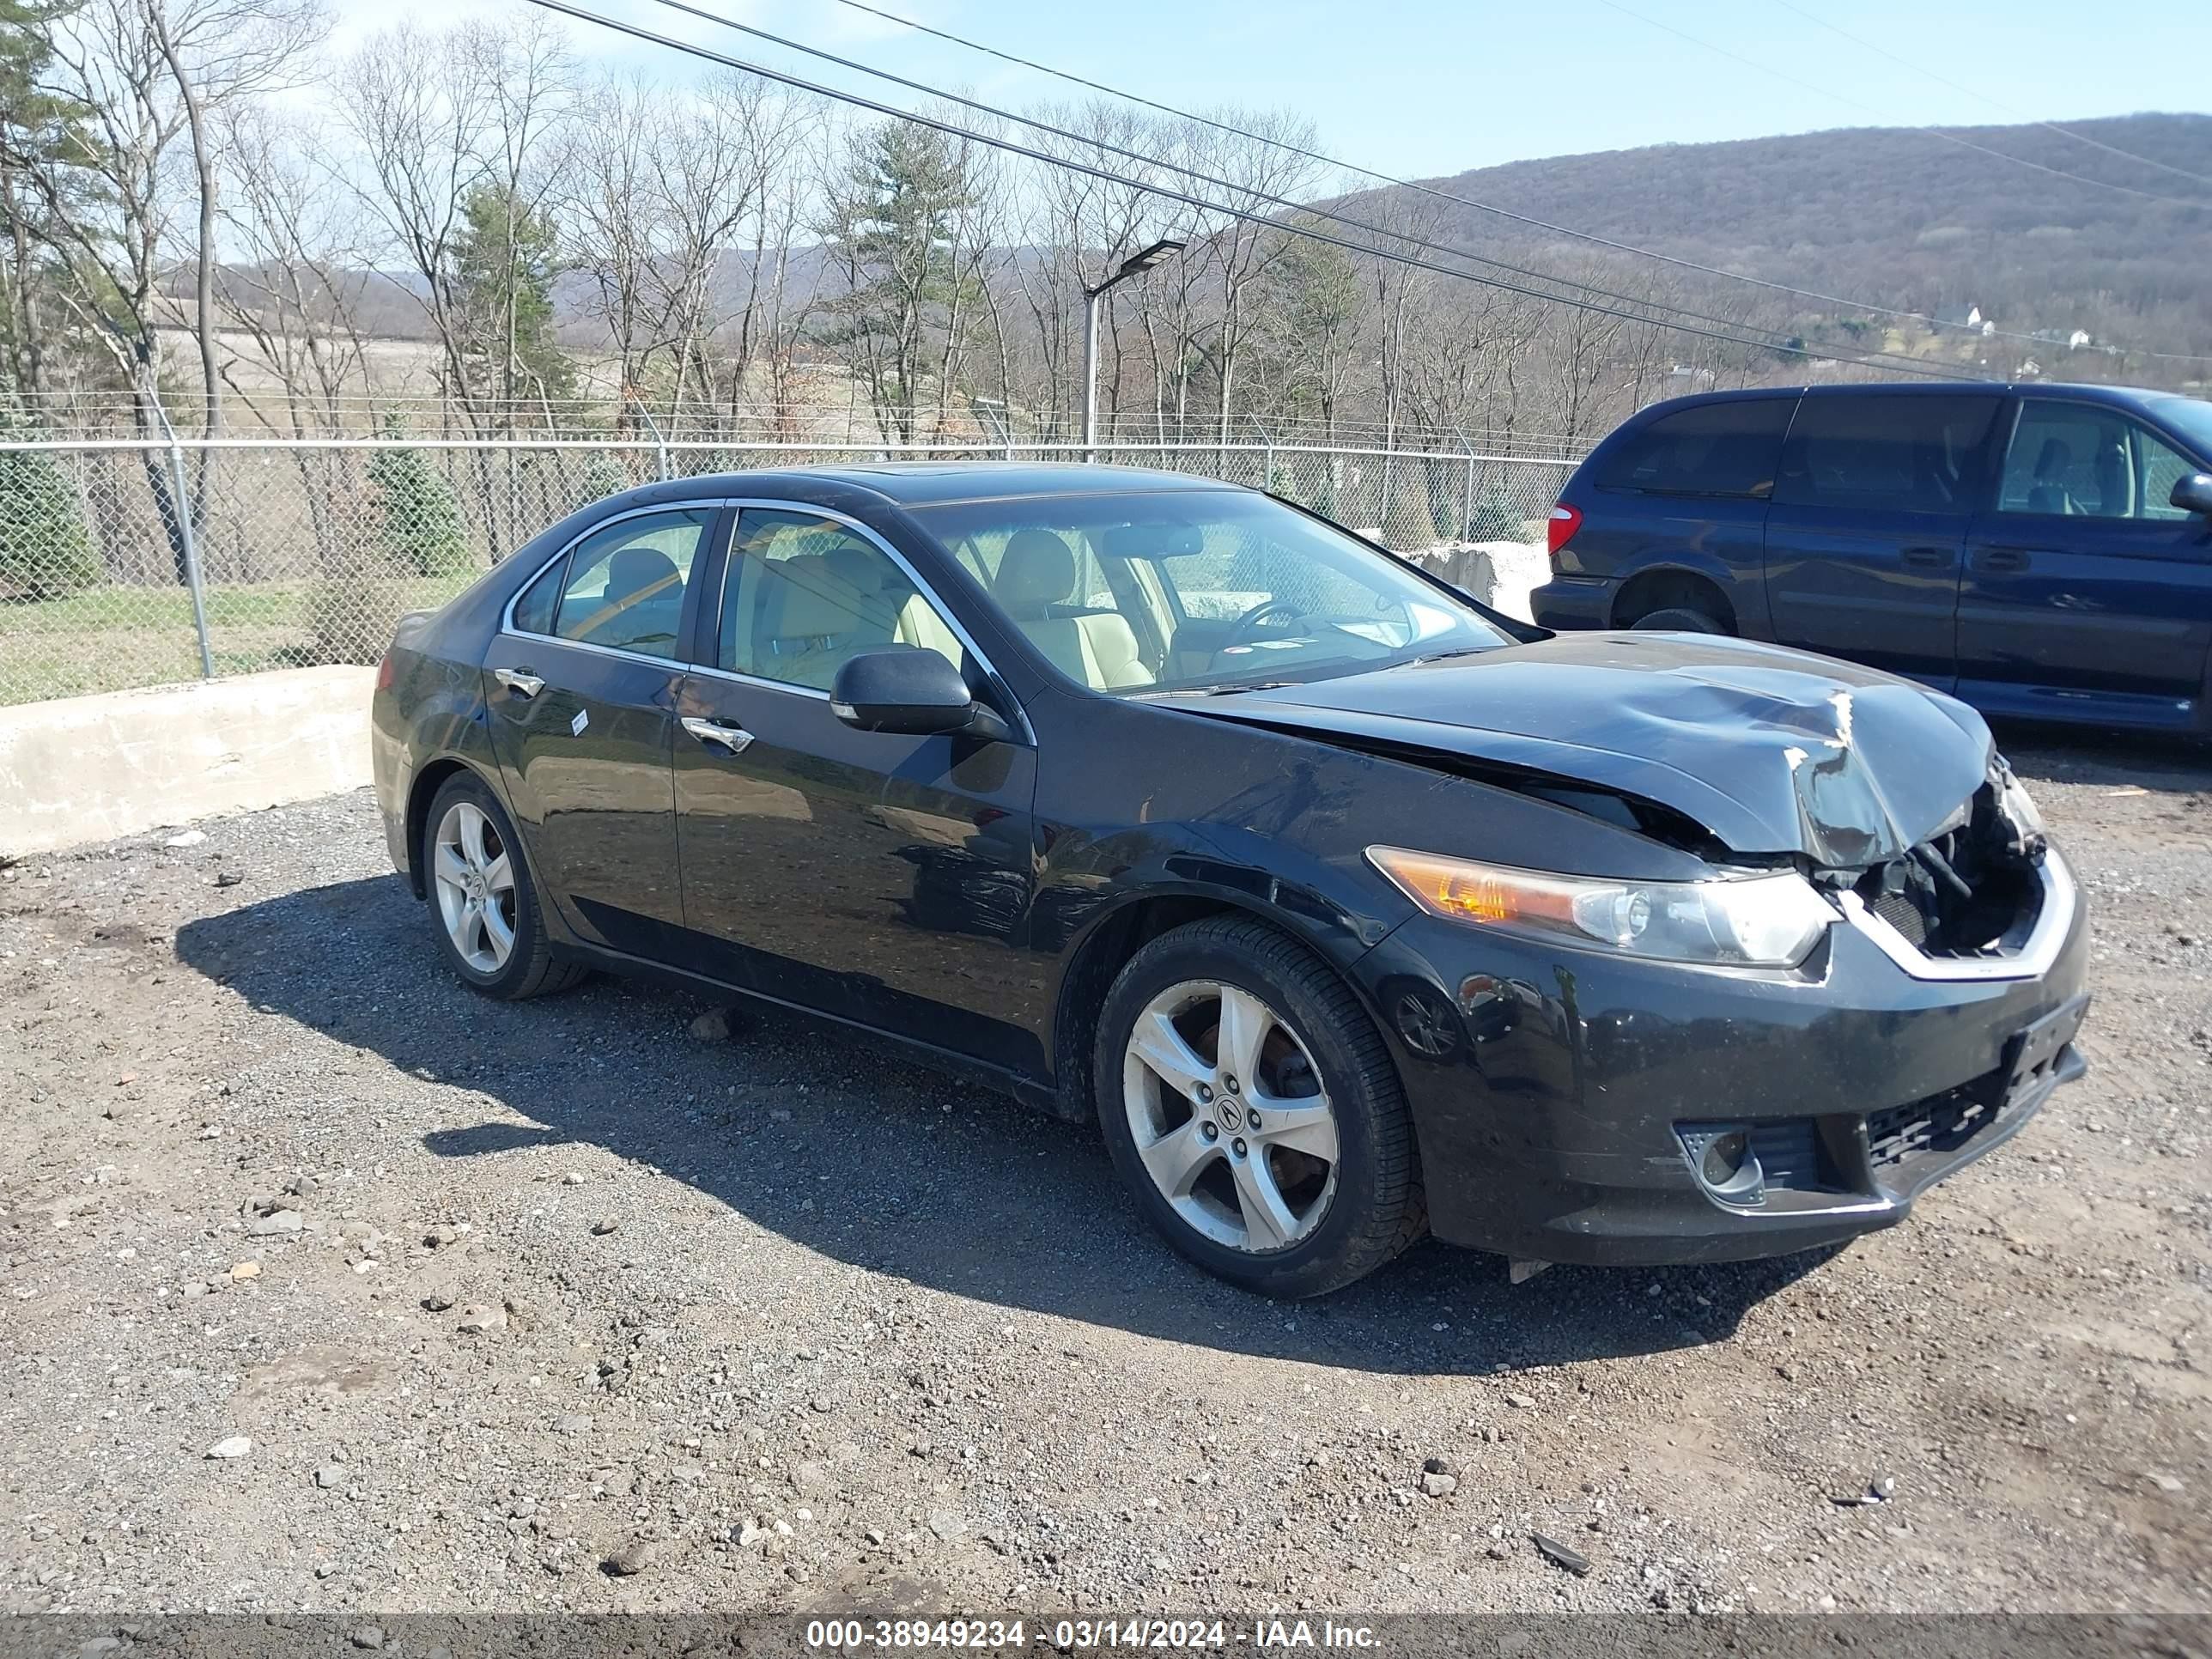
(1551, 1088)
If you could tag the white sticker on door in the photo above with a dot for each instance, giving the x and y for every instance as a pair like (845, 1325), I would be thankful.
(576, 725)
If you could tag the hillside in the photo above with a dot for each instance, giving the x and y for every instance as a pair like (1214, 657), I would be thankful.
(1890, 215)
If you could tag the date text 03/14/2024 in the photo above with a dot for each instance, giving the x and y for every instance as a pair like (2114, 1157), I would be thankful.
(923, 1634)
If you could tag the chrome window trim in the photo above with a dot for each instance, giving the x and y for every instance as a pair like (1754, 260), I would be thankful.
(2061, 902)
(506, 612)
(921, 584)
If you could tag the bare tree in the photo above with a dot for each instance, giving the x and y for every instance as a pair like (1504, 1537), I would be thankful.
(218, 53)
(295, 295)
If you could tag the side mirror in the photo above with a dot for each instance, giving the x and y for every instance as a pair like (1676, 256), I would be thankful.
(2192, 493)
(914, 692)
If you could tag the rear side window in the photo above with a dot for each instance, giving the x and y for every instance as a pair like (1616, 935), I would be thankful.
(533, 611)
(623, 585)
(1910, 455)
(1728, 448)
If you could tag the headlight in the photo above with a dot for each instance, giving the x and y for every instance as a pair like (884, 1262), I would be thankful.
(2019, 811)
(1748, 921)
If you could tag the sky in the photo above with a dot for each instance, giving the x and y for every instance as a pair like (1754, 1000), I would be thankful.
(1425, 88)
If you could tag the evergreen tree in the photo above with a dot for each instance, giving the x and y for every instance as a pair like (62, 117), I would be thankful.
(604, 475)
(421, 529)
(1495, 518)
(44, 549)
(505, 260)
(912, 297)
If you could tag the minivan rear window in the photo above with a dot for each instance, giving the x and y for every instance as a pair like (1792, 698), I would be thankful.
(1728, 448)
(1923, 454)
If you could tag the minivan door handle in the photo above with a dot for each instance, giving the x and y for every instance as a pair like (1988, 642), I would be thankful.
(1928, 558)
(726, 734)
(2001, 559)
(520, 681)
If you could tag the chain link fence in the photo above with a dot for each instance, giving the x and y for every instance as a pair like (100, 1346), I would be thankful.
(127, 564)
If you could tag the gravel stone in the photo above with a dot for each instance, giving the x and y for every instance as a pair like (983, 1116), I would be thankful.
(973, 1284)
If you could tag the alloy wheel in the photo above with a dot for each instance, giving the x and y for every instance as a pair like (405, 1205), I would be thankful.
(1230, 1117)
(475, 881)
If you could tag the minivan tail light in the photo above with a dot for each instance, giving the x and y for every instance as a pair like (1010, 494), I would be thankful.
(385, 674)
(1564, 521)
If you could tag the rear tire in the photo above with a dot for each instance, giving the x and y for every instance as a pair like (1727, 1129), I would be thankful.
(1292, 1181)
(1678, 619)
(483, 903)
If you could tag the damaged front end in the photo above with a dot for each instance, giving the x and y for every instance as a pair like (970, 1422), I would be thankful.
(1985, 896)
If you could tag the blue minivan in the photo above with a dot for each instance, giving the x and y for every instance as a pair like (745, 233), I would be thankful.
(2042, 551)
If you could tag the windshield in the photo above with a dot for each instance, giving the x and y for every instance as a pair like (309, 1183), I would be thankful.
(2191, 417)
(1198, 590)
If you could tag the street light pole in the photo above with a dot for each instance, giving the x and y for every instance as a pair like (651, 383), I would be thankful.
(1092, 296)
(1136, 264)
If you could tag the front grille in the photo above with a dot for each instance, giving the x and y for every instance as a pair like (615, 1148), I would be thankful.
(1973, 891)
(1938, 1123)
(1905, 915)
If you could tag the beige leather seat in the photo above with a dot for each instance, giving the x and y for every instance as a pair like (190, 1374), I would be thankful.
(1038, 573)
(813, 621)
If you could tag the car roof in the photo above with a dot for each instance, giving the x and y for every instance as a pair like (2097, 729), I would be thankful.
(2079, 391)
(923, 483)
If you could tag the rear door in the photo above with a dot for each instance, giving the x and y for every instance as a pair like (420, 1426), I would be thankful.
(581, 686)
(1868, 526)
(2088, 594)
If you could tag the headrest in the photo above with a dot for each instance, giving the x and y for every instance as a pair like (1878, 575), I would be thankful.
(810, 600)
(1036, 570)
(634, 569)
(2052, 458)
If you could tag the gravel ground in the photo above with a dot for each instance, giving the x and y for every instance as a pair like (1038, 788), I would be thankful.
(331, 1287)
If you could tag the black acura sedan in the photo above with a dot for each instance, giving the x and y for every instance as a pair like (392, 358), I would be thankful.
(1346, 907)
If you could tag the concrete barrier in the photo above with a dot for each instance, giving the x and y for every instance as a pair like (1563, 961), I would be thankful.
(1499, 574)
(82, 770)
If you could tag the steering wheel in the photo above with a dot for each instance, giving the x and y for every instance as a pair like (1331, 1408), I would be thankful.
(1247, 626)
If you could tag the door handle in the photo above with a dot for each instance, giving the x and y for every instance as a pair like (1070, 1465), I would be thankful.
(727, 733)
(2002, 558)
(520, 681)
(1928, 558)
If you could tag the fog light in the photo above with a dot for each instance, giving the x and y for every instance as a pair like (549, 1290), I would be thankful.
(1721, 1158)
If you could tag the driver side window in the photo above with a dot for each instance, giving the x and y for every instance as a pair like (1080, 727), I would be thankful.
(806, 594)
(2075, 460)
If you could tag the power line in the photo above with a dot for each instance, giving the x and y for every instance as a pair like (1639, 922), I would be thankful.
(1932, 132)
(1873, 357)
(1439, 194)
(1994, 103)
(992, 141)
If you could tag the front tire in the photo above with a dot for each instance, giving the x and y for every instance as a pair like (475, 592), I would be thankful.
(1252, 1110)
(482, 899)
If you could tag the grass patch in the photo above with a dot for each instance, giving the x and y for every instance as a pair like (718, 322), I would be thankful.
(108, 638)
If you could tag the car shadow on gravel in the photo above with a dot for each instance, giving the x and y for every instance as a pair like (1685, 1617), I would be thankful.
(844, 1144)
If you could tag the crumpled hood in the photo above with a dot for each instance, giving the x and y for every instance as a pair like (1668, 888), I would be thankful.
(1772, 750)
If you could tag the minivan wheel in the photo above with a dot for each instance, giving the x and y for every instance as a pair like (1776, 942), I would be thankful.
(1252, 1110)
(1678, 619)
(482, 897)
